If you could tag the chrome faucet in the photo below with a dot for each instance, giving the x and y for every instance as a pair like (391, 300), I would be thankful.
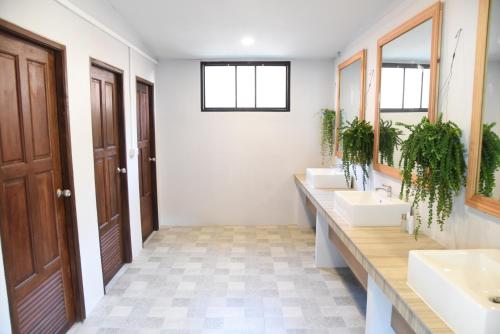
(386, 188)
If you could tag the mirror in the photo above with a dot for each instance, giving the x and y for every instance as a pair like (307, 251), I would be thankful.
(406, 84)
(483, 181)
(350, 93)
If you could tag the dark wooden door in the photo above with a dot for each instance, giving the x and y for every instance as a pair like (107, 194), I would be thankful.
(32, 216)
(108, 168)
(147, 159)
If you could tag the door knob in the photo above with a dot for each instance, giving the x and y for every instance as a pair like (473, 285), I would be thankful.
(63, 193)
(121, 170)
(152, 159)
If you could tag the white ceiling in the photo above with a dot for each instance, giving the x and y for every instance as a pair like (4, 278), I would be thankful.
(281, 28)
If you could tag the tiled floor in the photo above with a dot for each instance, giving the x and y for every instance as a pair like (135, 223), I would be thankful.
(230, 279)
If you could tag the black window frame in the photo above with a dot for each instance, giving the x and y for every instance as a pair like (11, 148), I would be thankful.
(204, 64)
(404, 66)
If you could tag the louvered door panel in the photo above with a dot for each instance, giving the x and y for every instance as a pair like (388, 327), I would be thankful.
(105, 130)
(32, 221)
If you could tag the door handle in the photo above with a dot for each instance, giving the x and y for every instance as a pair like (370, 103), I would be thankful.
(121, 170)
(152, 159)
(63, 193)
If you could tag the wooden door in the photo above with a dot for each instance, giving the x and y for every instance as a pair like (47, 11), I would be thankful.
(32, 216)
(108, 168)
(147, 159)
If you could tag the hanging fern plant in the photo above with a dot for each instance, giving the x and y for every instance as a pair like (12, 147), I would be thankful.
(327, 135)
(490, 160)
(436, 153)
(389, 140)
(357, 148)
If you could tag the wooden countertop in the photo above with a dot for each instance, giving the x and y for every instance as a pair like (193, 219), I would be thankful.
(383, 252)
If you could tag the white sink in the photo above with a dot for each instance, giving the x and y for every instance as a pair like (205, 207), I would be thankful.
(326, 178)
(459, 286)
(369, 208)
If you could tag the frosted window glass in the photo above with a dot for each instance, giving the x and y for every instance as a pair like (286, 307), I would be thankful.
(220, 87)
(271, 87)
(246, 86)
(391, 95)
(413, 88)
(425, 88)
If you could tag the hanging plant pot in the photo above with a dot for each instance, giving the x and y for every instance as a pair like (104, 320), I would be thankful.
(357, 149)
(433, 168)
(389, 140)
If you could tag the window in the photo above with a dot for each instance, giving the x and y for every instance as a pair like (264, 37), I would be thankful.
(405, 88)
(245, 86)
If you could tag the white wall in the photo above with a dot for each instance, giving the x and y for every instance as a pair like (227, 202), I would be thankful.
(104, 12)
(236, 167)
(48, 18)
(467, 227)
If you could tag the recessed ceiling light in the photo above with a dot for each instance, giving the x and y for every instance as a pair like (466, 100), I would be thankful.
(247, 41)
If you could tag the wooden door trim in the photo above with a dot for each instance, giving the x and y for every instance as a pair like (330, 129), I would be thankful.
(152, 140)
(127, 243)
(144, 81)
(30, 36)
(108, 67)
(66, 158)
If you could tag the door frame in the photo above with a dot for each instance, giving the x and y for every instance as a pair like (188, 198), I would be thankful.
(152, 143)
(127, 241)
(63, 124)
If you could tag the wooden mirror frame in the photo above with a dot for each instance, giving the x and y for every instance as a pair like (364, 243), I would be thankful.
(361, 55)
(432, 13)
(472, 198)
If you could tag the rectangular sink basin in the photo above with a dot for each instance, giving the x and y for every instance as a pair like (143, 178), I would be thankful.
(326, 178)
(369, 208)
(460, 286)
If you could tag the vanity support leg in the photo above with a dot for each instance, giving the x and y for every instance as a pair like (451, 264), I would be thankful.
(327, 255)
(378, 310)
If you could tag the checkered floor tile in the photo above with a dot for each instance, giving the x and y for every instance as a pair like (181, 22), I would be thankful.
(230, 279)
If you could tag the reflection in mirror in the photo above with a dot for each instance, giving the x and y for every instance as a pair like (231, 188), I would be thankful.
(489, 175)
(407, 76)
(404, 88)
(483, 179)
(350, 95)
